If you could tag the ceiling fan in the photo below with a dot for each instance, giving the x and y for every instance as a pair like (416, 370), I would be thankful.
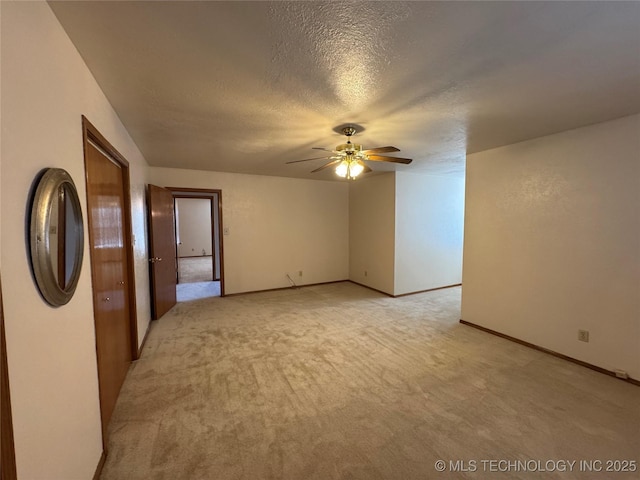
(349, 158)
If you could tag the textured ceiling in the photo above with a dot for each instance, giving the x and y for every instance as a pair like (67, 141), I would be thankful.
(247, 86)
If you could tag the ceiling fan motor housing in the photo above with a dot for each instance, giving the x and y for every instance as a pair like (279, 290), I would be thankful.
(349, 148)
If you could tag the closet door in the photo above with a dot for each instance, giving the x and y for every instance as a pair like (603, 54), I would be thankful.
(109, 265)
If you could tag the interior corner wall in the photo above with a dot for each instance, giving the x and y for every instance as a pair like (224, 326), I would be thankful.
(276, 226)
(46, 87)
(552, 242)
(372, 203)
(429, 220)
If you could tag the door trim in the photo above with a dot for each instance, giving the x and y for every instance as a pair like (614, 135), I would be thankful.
(91, 133)
(8, 453)
(207, 193)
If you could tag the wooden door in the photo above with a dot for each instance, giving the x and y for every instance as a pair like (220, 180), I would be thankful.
(162, 250)
(109, 267)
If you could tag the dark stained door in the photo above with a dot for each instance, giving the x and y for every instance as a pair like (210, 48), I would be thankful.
(162, 250)
(109, 264)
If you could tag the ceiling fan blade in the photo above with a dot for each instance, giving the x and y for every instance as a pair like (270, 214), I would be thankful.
(388, 149)
(321, 148)
(306, 160)
(327, 165)
(382, 158)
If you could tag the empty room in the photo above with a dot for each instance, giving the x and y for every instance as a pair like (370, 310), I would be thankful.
(376, 240)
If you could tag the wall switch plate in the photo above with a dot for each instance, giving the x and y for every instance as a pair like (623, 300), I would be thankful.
(583, 335)
(225, 230)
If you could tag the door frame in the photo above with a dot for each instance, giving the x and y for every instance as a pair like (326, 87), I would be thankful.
(92, 138)
(8, 452)
(206, 194)
(91, 133)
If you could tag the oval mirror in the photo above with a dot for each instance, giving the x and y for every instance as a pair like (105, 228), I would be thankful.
(57, 236)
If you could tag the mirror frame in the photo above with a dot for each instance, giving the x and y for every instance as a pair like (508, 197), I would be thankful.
(45, 195)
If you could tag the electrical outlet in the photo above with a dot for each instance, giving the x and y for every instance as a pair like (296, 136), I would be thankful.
(583, 335)
(300, 273)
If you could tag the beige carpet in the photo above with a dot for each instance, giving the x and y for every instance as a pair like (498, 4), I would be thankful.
(195, 269)
(187, 292)
(339, 382)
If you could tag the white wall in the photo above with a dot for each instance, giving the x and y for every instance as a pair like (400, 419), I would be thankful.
(276, 226)
(46, 88)
(429, 225)
(552, 242)
(194, 222)
(372, 203)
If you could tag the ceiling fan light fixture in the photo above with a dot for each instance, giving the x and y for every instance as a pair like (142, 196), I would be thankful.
(343, 168)
(349, 168)
(355, 169)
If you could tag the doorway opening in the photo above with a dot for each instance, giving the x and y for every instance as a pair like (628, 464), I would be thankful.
(198, 233)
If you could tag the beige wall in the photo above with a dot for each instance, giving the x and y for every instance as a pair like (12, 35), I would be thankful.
(46, 88)
(276, 226)
(194, 226)
(406, 231)
(372, 203)
(429, 225)
(552, 242)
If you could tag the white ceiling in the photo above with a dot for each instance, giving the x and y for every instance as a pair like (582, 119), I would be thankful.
(247, 86)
